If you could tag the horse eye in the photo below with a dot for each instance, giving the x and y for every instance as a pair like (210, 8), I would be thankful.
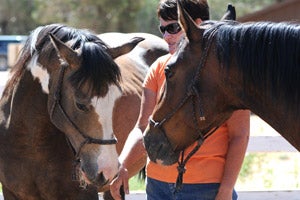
(82, 107)
(168, 72)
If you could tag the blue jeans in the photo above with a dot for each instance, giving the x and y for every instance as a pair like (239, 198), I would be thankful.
(157, 190)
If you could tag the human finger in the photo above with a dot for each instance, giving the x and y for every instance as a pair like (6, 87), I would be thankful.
(115, 186)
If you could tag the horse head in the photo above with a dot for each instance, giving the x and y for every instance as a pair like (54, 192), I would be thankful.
(78, 72)
(181, 117)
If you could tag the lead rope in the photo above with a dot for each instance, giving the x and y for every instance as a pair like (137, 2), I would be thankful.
(181, 165)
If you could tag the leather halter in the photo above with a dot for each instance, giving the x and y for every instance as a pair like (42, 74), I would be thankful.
(191, 92)
(61, 110)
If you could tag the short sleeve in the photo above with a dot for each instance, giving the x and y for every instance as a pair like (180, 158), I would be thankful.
(155, 77)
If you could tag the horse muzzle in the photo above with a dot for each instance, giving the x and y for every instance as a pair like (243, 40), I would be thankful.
(158, 146)
(99, 180)
(98, 168)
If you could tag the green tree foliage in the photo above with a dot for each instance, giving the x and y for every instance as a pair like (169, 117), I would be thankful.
(100, 16)
(15, 16)
(21, 16)
(146, 17)
(218, 7)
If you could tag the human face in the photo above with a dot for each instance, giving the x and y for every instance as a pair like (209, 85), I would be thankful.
(172, 39)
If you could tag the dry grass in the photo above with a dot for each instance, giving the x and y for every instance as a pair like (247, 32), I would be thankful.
(271, 170)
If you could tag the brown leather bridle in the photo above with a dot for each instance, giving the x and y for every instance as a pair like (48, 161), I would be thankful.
(57, 104)
(193, 93)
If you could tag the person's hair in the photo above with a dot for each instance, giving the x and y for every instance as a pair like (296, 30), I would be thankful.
(167, 9)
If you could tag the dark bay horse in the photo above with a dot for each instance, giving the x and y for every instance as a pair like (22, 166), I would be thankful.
(61, 109)
(222, 67)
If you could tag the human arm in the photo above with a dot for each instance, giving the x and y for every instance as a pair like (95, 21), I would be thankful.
(238, 133)
(134, 152)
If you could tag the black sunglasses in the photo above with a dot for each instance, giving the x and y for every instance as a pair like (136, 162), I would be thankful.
(170, 28)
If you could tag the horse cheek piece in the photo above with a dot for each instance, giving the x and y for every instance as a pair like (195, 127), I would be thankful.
(155, 136)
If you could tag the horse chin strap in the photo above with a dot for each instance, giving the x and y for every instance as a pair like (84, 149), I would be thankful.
(192, 92)
(86, 139)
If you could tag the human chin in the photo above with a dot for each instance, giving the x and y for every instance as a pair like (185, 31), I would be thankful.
(172, 48)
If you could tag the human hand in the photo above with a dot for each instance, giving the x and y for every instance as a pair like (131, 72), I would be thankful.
(118, 182)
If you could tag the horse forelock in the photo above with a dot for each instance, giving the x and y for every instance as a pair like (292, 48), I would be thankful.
(267, 54)
(97, 69)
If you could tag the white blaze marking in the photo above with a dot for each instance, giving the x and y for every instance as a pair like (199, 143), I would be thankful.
(108, 159)
(40, 73)
(104, 107)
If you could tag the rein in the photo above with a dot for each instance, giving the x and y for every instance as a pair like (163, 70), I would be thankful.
(61, 110)
(192, 92)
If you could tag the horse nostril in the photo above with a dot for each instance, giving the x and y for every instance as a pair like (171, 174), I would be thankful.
(101, 180)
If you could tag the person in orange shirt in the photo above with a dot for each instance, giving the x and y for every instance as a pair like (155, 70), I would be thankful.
(212, 171)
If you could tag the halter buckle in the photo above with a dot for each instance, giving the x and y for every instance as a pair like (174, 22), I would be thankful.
(202, 118)
(156, 124)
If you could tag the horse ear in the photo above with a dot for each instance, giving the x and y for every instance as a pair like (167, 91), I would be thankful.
(230, 13)
(64, 52)
(191, 29)
(124, 48)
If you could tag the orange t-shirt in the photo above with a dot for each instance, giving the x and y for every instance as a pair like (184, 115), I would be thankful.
(207, 164)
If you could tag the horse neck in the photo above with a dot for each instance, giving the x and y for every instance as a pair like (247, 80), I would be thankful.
(276, 111)
(25, 126)
(28, 104)
(284, 122)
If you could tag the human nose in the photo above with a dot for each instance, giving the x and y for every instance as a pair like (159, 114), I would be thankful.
(167, 36)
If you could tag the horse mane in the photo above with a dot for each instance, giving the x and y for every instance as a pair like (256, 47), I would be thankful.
(267, 54)
(97, 69)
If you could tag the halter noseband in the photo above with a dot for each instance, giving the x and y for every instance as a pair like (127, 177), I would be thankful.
(57, 103)
(191, 92)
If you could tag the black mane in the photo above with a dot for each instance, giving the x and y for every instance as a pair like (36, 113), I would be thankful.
(97, 69)
(267, 54)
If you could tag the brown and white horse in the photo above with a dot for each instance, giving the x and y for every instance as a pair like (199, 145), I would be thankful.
(69, 96)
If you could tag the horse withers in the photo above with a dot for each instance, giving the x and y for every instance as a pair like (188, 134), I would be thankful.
(235, 66)
(57, 114)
